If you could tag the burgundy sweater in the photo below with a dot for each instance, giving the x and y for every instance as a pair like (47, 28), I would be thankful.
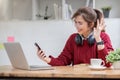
(74, 54)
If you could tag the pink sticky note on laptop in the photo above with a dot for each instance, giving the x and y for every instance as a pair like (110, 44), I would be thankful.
(10, 38)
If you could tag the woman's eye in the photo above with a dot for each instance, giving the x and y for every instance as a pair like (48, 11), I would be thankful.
(79, 23)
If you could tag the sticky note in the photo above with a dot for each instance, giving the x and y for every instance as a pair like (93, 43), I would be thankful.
(1, 46)
(10, 38)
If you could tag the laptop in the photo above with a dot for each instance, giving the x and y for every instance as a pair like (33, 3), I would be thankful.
(17, 57)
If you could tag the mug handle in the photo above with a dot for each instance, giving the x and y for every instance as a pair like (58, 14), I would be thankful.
(103, 63)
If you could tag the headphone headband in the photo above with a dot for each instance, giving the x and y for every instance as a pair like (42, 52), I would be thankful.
(79, 39)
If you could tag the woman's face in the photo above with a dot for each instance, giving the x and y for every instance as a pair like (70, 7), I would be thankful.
(82, 26)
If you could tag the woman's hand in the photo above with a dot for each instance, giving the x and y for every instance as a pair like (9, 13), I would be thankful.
(100, 26)
(97, 32)
(43, 57)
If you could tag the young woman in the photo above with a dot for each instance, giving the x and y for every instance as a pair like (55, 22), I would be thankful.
(91, 41)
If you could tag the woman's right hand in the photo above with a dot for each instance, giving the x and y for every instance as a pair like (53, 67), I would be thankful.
(43, 57)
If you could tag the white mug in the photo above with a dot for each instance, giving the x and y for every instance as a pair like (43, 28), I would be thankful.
(96, 62)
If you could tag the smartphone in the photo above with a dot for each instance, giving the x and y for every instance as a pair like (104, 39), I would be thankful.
(37, 46)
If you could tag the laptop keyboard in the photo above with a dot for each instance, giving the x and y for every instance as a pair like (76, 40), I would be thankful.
(36, 66)
(41, 67)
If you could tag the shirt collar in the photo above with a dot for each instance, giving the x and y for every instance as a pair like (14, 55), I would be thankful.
(87, 36)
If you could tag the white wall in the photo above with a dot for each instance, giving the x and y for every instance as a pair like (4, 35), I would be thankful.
(51, 35)
(113, 29)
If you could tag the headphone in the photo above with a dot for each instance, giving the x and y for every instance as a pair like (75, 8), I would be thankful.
(79, 39)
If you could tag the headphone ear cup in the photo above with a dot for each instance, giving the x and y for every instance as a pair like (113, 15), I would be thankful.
(78, 40)
(91, 40)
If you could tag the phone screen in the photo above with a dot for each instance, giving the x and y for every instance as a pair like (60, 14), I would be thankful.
(37, 46)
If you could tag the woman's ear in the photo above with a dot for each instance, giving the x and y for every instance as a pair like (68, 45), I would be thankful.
(91, 25)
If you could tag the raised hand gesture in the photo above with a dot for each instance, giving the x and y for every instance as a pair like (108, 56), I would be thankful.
(100, 26)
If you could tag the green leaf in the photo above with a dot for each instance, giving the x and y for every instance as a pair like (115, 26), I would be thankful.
(113, 56)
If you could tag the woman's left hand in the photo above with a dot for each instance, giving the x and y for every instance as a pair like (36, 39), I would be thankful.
(100, 26)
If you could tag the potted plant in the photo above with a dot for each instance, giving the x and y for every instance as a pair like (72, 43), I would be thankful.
(106, 11)
(114, 58)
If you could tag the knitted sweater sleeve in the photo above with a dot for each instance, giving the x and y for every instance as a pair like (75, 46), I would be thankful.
(108, 47)
(65, 58)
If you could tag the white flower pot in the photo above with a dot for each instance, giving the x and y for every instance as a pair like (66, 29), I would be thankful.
(116, 65)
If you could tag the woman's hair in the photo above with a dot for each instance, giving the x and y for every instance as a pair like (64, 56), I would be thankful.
(89, 15)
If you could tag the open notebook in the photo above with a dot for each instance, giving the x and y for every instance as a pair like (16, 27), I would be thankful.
(17, 57)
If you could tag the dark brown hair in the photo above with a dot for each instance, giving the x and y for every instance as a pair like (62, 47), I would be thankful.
(89, 15)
